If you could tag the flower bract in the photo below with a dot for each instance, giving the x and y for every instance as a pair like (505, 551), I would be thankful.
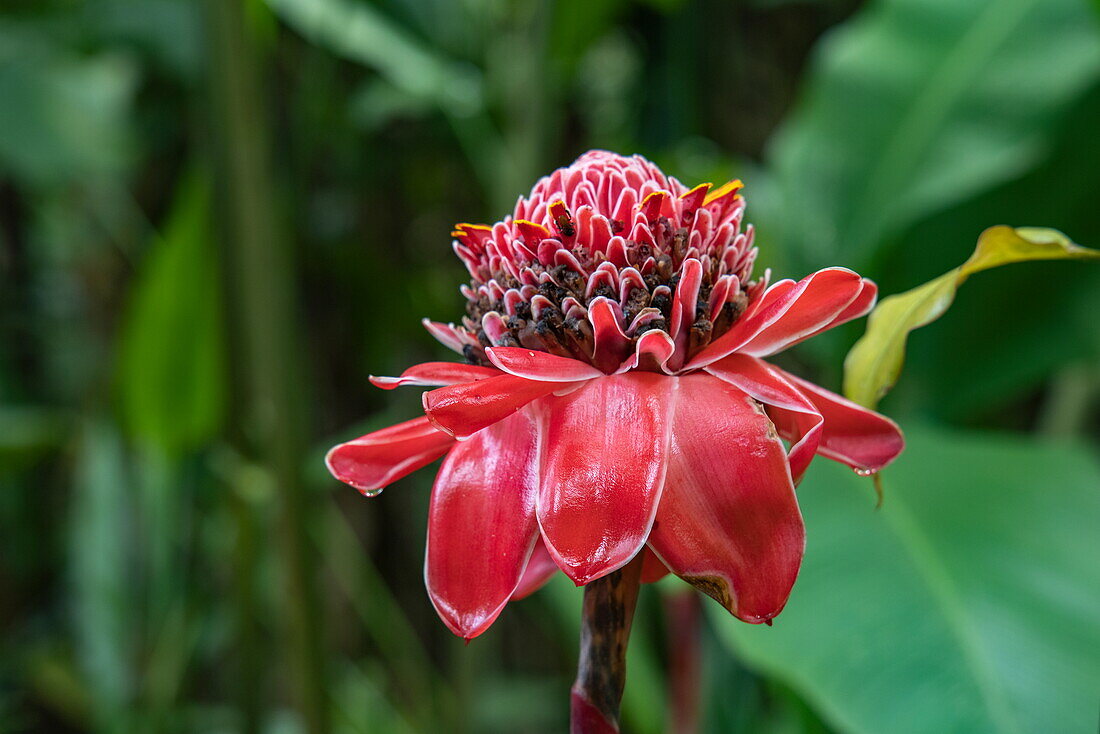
(614, 399)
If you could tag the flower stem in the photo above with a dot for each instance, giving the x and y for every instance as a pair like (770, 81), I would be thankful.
(601, 670)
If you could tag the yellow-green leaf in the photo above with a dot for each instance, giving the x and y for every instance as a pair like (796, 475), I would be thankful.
(873, 365)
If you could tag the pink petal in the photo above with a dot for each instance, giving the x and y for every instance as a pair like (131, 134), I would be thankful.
(764, 301)
(603, 465)
(728, 522)
(685, 300)
(860, 305)
(826, 295)
(787, 313)
(463, 410)
(540, 569)
(372, 461)
(543, 366)
(435, 373)
(611, 344)
(853, 435)
(451, 336)
(652, 352)
(767, 384)
(481, 525)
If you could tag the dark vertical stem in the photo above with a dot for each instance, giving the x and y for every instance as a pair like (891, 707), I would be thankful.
(249, 670)
(683, 611)
(264, 349)
(605, 630)
(16, 296)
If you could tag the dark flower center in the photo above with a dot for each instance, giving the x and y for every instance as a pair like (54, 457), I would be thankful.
(556, 325)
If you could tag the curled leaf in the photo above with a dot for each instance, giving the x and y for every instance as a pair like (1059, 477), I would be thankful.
(874, 363)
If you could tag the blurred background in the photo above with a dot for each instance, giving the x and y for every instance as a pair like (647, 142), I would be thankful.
(217, 218)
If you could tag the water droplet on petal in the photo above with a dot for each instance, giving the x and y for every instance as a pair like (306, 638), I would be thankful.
(370, 492)
(864, 471)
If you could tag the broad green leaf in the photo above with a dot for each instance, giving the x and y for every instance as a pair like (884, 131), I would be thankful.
(914, 105)
(966, 604)
(171, 362)
(873, 365)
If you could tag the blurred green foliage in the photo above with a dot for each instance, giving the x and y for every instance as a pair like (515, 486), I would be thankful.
(955, 602)
(166, 566)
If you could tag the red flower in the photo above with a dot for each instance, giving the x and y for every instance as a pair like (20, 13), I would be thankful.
(616, 402)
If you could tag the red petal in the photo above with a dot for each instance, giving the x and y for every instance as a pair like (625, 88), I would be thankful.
(651, 205)
(860, 306)
(862, 303)
(540, 568)
(611, 344)
(435, 373)
(542, 366)
(786, 314)
(768, 385)
(694, 198)
(759, 307)
(603, 464)
(853, 435)
(481, 524)
(685, 300)
(728, 522)
(449, 335)
(827, 294)
(463, 410)
(372, 461)
(584, 718)
(651, 352)
(652, 568)
(531, 232)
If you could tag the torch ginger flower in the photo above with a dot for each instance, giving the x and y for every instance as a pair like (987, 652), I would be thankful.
(615, 400)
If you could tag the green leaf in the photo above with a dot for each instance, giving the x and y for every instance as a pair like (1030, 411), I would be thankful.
(419, 72)
(105, 613)
(171, 362)
(63, 117)
(947, 368)
(361, 33)
(967, 603)
(874, 363)
(914, 105)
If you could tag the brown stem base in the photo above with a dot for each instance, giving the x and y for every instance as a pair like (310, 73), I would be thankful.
(601, 670)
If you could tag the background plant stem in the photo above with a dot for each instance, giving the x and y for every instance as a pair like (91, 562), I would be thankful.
(1069, 403)
(683, 613)
(267, 414)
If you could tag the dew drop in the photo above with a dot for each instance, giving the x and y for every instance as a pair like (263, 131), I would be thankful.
(864, 471)
(370, 492)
